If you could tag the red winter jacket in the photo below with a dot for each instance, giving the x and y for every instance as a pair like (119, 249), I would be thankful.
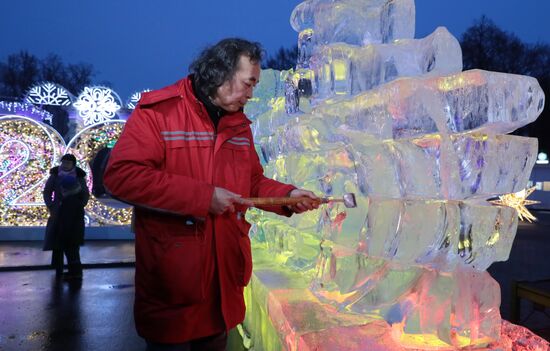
(190, 265)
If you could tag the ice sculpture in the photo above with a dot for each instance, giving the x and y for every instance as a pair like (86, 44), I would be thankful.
(370, 110)
(344, 69)
(354, 22)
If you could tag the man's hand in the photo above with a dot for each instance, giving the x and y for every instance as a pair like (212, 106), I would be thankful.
(306, 204)
(224, 200)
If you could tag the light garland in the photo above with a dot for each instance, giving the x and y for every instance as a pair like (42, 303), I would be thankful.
(17, 155)
(28, 149)
(23, 109)
(85, 145)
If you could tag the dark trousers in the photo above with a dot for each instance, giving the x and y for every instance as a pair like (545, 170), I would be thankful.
(215, 342)
(73, 259)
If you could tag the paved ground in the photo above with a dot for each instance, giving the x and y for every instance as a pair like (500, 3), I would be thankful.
(42, 313)
(39, 312)
(25, 255)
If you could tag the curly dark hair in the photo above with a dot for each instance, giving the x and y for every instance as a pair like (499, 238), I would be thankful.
(218, 63)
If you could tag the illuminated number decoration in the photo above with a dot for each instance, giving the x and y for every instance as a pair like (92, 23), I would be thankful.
(134, 99)
(85, 146)
(28, 149)
(97, 104)
(48, 94)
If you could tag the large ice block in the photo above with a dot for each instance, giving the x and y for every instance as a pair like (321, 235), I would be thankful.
(371, 111)
(357, 22)
(433, 233)
(267, 93)
(460, 166)
(438, 234)
(343, 69)
(489, 102)
(283, 315)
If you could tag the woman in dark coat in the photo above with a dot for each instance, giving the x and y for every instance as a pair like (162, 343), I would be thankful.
(66, 194)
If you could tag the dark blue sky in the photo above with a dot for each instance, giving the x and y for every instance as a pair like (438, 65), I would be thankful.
(148, 44)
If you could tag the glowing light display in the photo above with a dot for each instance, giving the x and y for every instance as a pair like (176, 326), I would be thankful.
(28, 149)
(85, 146)
(24, 109)
(48, 94)
(519, 201)
(134, 99)
(97, 104)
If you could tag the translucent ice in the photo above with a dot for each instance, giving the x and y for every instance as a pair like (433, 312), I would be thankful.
(461, 166)
(371, 111)
(489, 102)
(421, 155)
(343, 69)
(357, 22)
(267, 93)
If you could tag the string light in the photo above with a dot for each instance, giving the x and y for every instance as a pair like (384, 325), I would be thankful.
(24, 109)
(85, 145)
(29, 149)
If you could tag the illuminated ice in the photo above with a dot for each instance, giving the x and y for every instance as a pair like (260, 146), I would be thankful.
(356, 22)
(267, 93)
(343, 69)
(371, 111)
(488, 102)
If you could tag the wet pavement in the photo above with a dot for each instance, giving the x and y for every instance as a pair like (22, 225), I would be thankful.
(39, 312)
(23, 255)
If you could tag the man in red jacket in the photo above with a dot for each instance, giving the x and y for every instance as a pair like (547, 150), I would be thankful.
(186, 161)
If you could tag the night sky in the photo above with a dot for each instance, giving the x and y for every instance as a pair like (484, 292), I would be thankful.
(143, 44)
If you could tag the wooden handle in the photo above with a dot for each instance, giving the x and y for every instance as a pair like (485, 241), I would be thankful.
(280, 201)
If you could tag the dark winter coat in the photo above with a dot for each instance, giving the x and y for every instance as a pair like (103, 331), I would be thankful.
(65, 226)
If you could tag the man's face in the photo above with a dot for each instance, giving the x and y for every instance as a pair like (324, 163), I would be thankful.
(233, 94)
(67, 165)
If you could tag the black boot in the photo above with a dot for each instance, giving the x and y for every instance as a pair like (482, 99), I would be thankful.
(73, 262)
(57, 262)
(75, 272)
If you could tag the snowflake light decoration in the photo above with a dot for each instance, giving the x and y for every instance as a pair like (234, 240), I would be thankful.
(134, 99)
(97, 104)
(48, 94)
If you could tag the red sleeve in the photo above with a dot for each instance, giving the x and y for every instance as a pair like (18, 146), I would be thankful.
(134, 172)
(265, 187)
